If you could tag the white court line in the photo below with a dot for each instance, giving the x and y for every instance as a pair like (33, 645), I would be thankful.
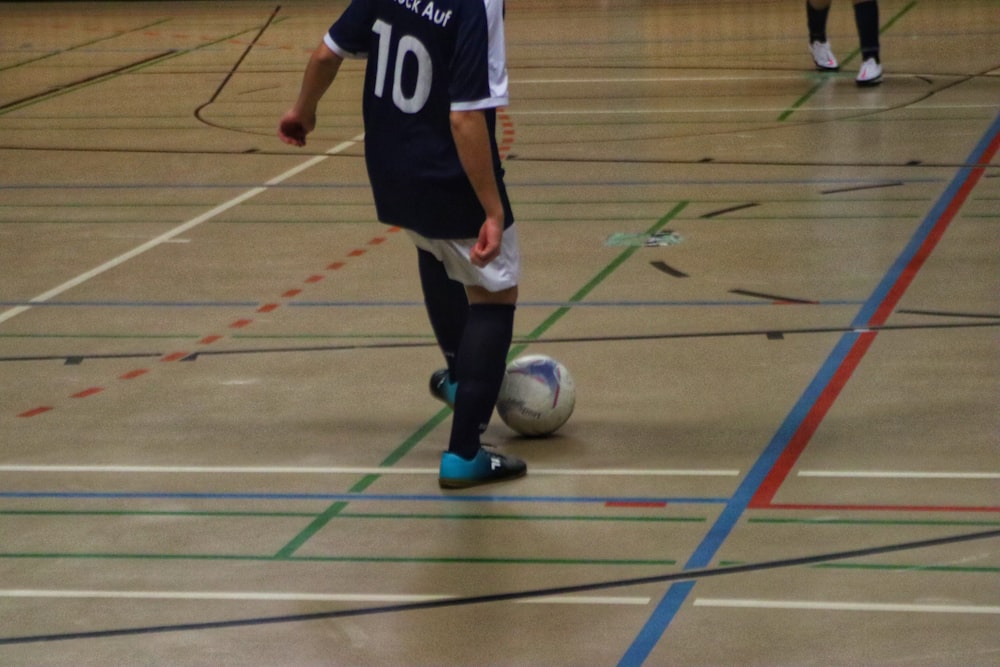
(661, 79)
(342, 470)
(244, 596)
(625, 112)
(898, 474)
(176, 231)
(847, 606)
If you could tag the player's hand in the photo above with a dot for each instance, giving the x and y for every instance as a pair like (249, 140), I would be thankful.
(293, 128)
(487, 247)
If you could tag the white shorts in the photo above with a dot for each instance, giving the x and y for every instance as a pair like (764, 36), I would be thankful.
(500, 274)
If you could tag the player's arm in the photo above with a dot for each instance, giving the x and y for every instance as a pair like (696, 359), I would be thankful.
(472, 140)
(320, 72)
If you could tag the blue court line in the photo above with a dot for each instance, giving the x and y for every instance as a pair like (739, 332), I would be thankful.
(668, 607)
(408, 304)
(353, 497)
(519, 185)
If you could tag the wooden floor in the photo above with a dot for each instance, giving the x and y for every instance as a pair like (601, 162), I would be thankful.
(778, 294)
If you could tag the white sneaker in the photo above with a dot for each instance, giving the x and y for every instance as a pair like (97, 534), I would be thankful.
(870, 73)
(823, 56)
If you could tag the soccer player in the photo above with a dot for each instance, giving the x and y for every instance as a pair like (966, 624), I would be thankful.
(435, 75)
(866, 19)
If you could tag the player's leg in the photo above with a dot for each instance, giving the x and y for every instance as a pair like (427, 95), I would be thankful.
(867, 20)
(817, 12)
(481, 362)
(481, 356)
(447, 309)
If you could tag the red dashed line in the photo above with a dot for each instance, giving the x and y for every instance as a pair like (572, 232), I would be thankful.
(36, 411)
(88, 392)
(238, 324)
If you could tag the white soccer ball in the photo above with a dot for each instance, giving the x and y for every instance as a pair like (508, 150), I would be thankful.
(537, 395)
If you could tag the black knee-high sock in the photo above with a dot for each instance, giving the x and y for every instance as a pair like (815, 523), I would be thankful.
(447, 305)
(817, 22)
(482, 360)
(866, 18)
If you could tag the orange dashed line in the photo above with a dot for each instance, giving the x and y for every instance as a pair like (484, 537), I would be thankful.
(393, 230)
(267, 307)
(36, 411)
(292, 292)
(88, 392)
(239, 324)
(174, 356)
(356, 253)
(131, 375)
(208, 340)
(314, 279)
(377, 240)
(335, 266)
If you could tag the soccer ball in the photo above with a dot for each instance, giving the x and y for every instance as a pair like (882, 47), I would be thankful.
(537, 395)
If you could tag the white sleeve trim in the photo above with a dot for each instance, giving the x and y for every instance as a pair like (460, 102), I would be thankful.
(474, 105)
(343, 53)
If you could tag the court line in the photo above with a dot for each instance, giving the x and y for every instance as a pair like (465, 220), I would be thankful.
(776, 461)
(357, 495)
(687, 576)
(347, 470)
(898, 474)
(262, 596)
(820, 605)
(177, 231)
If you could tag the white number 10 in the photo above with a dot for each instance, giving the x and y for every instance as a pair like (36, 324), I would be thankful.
(408, 44)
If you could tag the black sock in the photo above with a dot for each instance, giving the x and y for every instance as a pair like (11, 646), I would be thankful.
(817, 23)
(866, 18)
(447, 306)
(482, 360)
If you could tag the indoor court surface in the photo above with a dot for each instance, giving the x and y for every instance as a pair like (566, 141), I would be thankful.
(778, 294)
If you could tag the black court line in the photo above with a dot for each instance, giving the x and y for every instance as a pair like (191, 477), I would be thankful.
(89, 79)
(771, 334)
(232, 71)
(773, 297)
(507, 597)
(945, 313)
(667, 269)
(731, 209)
(856, 188)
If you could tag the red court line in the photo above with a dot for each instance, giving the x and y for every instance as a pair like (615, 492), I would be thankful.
(882, 508)
(763, 497)
(800, 440)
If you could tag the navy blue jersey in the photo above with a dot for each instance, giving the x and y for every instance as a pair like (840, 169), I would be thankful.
(425, 59)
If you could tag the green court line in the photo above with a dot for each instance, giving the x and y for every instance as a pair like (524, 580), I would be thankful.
(128, 70)
(853, 54)
(403, 449)
(358, 515)
(343, 559)
(891, 567)
(873, 522)
(82, 45)
(954, 569)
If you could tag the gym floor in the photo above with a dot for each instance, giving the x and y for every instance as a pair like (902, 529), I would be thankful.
(778, 294)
